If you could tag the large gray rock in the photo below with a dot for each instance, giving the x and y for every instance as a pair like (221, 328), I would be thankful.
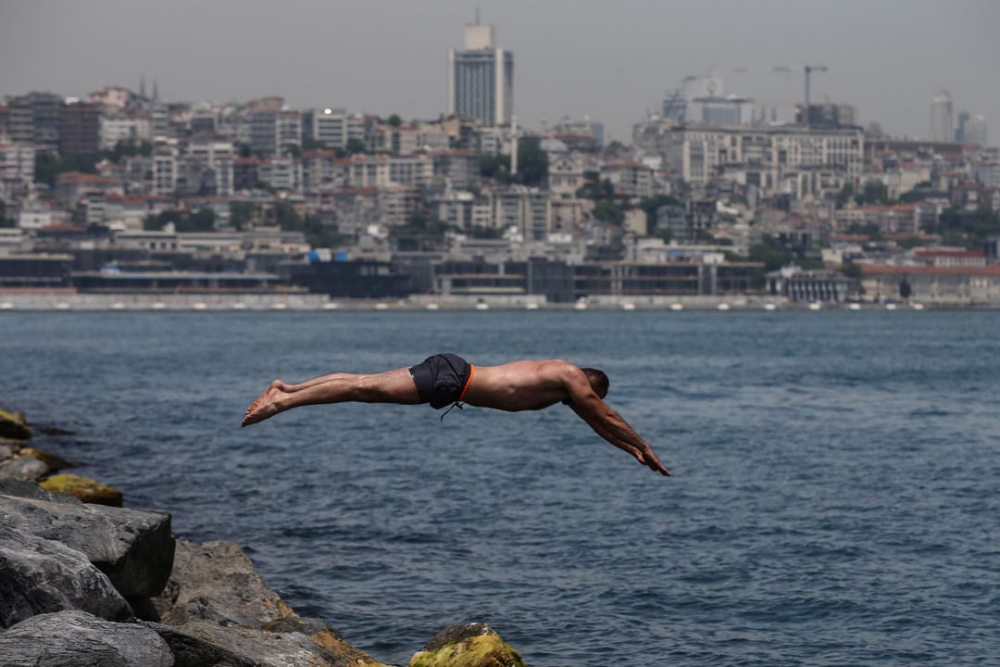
(269, 649)
(6, 451)
(189, 651)
(28, 489)
(39, 576)
(135, 549)
(24, 468)
(78, 639)
(216, 582)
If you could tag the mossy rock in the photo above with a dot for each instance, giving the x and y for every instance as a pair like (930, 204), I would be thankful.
(53, 461)
(87, 490)
(467, 645)
(13, 425)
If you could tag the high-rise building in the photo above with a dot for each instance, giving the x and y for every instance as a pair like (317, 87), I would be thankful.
(976, 131)
(79, 129)
(34, 120)
(963, 120)
(942, 124)
(481, 78)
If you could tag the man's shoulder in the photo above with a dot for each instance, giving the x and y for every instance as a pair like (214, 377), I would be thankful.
(559, 367)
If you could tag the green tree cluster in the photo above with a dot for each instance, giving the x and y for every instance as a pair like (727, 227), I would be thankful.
(316, 233)
(967, 228)
(202, 220)
(532, 165)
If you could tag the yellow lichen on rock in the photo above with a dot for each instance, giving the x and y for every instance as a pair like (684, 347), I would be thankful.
(13, 425)
(488, 650)
(87, 490)
(53, 461)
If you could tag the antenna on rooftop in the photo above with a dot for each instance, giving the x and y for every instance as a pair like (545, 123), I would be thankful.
(477, 15)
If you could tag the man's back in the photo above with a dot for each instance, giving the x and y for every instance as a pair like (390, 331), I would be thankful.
(520, 385)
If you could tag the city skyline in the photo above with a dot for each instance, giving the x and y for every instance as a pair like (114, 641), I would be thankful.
(389, 57)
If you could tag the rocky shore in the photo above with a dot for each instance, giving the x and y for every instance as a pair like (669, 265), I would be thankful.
(87, 582)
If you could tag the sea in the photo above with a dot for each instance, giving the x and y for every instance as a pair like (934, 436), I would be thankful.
(835, 497)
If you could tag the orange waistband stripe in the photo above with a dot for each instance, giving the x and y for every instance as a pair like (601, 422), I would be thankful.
(472, 371)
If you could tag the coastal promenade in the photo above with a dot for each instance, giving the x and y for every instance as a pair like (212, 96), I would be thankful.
(69, 300)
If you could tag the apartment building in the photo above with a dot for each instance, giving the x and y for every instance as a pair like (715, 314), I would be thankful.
(767, 154)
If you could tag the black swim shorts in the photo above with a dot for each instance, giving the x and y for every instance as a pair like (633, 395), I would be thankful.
(442, 379)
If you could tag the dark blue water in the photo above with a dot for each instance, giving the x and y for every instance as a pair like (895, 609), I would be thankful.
(836, 498)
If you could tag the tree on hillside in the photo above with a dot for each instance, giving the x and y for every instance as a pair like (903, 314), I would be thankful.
(532, 163)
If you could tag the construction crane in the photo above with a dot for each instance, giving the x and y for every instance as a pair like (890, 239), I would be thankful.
(785, 69)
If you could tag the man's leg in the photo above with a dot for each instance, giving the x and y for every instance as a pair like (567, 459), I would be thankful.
(394, 386)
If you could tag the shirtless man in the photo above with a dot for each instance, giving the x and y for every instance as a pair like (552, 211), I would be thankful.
(446, 379)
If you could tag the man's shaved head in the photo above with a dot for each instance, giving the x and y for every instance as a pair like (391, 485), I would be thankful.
(598, 381)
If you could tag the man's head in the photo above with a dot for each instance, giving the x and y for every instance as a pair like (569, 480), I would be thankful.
(598, 381)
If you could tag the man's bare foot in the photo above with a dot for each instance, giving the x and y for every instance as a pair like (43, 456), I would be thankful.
(265, 405)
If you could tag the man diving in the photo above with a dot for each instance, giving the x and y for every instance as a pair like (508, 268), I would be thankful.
(445, 379)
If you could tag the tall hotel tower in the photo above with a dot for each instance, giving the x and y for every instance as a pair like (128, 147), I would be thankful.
(481, 78)
(942, 125)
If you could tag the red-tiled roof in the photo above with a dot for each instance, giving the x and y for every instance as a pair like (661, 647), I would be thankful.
(949, 253)
(80, 177)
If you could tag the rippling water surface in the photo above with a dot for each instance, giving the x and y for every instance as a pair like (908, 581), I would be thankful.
(835, 500)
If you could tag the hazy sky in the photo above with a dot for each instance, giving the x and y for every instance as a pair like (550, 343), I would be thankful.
(611, 59)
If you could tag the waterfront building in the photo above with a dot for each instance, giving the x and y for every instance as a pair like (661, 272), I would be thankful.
(933, 284)
(481, 78)
(942, 124)
(797, 285)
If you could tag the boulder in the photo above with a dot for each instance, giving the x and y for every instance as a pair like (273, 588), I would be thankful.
(24, 467)
(270, 649)
(189, 651)
(13, 425)
(78, 639)
(39, 576)
(135, 549)
(84, 488)
(467, 645)
(6, 451)
(28, 489)
(320, 632)
(216, 582)
(53, 461)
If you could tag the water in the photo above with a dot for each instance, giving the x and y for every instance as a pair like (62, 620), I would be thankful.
(835, 499)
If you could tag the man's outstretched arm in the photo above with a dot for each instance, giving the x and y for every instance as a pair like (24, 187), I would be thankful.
(607, 423)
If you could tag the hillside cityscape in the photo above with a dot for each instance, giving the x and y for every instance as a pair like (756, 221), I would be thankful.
(713, 200)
